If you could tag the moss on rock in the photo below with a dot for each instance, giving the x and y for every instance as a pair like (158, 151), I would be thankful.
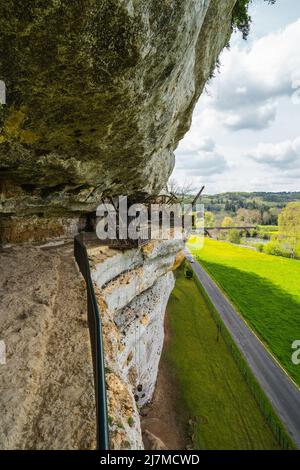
(99, 94)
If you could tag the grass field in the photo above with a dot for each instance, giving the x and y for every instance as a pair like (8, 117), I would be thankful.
(212, 390)
(268, 229)
(265, 289)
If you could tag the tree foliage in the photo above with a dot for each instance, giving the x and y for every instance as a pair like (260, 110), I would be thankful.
(234, 236)
(249, 216)
(241, 18)
(227, 222)
(209, 219)
(289, 226)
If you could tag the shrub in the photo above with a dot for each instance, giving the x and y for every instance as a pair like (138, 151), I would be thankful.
(234, 236)
(221, 235)
(263, 234)
(276, 249)
(188, 274)
(241, 18)
(260, 247)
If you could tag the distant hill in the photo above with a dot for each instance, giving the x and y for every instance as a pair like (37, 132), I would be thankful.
(269, 204)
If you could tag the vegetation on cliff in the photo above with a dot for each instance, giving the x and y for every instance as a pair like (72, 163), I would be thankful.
(241, 18)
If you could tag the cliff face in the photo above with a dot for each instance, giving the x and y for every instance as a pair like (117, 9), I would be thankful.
(99, 93)
(132, 288)
(98, 96)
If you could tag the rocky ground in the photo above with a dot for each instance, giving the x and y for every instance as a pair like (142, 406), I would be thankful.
(46, 385)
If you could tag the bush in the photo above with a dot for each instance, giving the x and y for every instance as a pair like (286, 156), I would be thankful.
(241, 18)
(234, 236)
(276, 249)
(263, 235)
(260, 247)
(188, 274)
(221, 235)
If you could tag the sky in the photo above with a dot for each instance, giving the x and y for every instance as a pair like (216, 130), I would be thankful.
(245, 133)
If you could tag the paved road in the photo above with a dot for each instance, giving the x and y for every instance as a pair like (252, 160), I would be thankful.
(283, 394)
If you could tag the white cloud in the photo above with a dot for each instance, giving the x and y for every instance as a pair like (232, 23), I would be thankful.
(255, 98)
(204, 164)
(207, 145)
(252, 118)
(200, 159)
(252, 79)
(283, 155)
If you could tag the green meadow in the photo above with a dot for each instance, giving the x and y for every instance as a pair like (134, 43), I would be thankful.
(212, 393)
(264, 288)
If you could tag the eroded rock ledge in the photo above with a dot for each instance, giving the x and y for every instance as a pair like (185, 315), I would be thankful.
(133, 288)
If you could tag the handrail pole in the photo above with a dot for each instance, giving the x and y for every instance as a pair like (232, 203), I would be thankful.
(96, 337)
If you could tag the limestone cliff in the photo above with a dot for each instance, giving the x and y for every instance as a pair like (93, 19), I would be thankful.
(132, 288)
(99, 93)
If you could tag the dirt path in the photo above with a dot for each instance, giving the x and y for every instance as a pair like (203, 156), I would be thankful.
(46, 385)
(161, 416)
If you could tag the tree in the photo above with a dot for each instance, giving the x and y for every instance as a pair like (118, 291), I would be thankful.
(183, 191)
(289, 226)
(274, 213)
(241, 18)
(266, 218)
(227, 222)
(248, 216)
(209, 219)
(227, 207)
(234, 236)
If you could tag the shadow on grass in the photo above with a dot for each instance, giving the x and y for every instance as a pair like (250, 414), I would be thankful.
(272, 312)
(212, 393)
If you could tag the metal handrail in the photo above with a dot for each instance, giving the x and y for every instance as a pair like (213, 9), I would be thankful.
(95, 328)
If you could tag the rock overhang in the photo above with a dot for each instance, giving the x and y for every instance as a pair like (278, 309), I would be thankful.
(98, 96)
